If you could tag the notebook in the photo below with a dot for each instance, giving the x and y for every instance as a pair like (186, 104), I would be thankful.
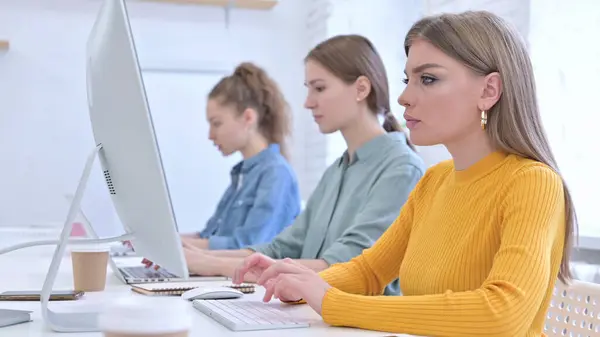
(178, 288)
(11, 317)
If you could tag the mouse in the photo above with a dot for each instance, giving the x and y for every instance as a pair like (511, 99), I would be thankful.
(212, 293)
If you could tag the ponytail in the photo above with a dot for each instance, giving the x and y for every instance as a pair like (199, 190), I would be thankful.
(391, 124)
(250, 87)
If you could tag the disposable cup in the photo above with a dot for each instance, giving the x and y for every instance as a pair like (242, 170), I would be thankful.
(89, 267)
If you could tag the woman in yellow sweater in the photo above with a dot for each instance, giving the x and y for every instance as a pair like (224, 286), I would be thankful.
(480, 242)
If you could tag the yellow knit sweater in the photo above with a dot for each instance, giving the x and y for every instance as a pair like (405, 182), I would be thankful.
(477, 252)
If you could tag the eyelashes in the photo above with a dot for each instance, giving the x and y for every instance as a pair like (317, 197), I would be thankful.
(425, 80)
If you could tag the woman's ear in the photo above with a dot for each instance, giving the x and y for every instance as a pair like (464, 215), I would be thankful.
(492, 91)
(250, 117)
(363, 88)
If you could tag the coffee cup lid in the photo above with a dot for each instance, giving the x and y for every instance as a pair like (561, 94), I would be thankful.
(145, 315)
(89, 247)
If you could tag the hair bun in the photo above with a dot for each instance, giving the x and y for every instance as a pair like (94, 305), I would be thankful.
(245, 69)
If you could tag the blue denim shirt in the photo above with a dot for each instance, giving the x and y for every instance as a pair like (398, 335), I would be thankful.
(261, 201)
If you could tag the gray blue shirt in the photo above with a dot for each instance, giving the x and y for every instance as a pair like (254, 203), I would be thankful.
(261, 201)
(353, 204)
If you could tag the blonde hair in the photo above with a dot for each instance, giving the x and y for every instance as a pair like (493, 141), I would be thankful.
(485, 43)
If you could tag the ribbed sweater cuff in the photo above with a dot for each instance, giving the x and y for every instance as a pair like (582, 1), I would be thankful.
(330, 308)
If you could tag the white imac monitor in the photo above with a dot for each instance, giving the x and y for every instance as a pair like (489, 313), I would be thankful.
(130, 156)
(130, 160)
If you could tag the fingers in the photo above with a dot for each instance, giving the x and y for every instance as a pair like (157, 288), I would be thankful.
(285, 267)
(246, 265)
(241, 271)
(255, 263)
(149, 264)
(286, 287)
(289, 288)
(269, 290)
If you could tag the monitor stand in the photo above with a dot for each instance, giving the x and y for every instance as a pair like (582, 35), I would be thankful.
(72, 321)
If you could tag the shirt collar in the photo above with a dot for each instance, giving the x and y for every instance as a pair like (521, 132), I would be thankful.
(246, 165)
(372, 147)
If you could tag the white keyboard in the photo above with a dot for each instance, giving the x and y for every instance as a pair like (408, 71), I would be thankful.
(240, 315)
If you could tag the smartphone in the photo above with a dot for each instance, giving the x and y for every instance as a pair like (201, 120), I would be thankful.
(26, 295)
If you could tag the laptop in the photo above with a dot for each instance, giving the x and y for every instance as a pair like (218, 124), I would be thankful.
(130, 271)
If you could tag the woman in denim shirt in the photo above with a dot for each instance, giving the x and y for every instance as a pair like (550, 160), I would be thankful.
(247, 113)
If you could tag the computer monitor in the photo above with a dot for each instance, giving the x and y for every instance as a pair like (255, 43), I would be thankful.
(128, 151)
(130, 156)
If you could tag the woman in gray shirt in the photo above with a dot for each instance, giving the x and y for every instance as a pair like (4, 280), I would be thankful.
(362, 192)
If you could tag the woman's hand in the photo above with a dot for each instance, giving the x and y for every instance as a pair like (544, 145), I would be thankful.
(289, 281)
(252, 268)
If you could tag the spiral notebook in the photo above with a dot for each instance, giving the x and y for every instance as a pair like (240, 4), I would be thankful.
(178, 288)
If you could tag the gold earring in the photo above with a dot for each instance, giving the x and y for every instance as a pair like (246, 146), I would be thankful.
(483, 119)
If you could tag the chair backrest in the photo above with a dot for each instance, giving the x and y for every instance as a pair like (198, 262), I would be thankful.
(574, 310)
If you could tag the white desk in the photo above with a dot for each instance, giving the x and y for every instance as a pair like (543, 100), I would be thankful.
(26, 270)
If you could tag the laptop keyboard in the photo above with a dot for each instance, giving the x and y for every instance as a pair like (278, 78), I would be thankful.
(142, 272)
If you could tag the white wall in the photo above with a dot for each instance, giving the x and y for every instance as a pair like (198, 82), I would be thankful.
(565, 58)
(45, 134)
(315, 143)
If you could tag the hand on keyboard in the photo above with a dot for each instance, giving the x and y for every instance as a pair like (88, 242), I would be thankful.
(150, 264)
(254, 265)
(288, 279)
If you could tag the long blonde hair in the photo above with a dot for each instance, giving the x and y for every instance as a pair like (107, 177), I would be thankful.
(486, 43)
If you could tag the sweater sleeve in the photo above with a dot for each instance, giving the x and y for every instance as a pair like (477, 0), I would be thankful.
(532, 233)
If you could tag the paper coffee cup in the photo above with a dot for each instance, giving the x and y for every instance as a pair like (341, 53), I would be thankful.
(138, 316)
(89, 266)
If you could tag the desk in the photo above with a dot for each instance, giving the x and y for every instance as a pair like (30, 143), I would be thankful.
(33, 263)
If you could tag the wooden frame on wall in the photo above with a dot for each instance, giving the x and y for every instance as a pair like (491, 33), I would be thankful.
(246, 4)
